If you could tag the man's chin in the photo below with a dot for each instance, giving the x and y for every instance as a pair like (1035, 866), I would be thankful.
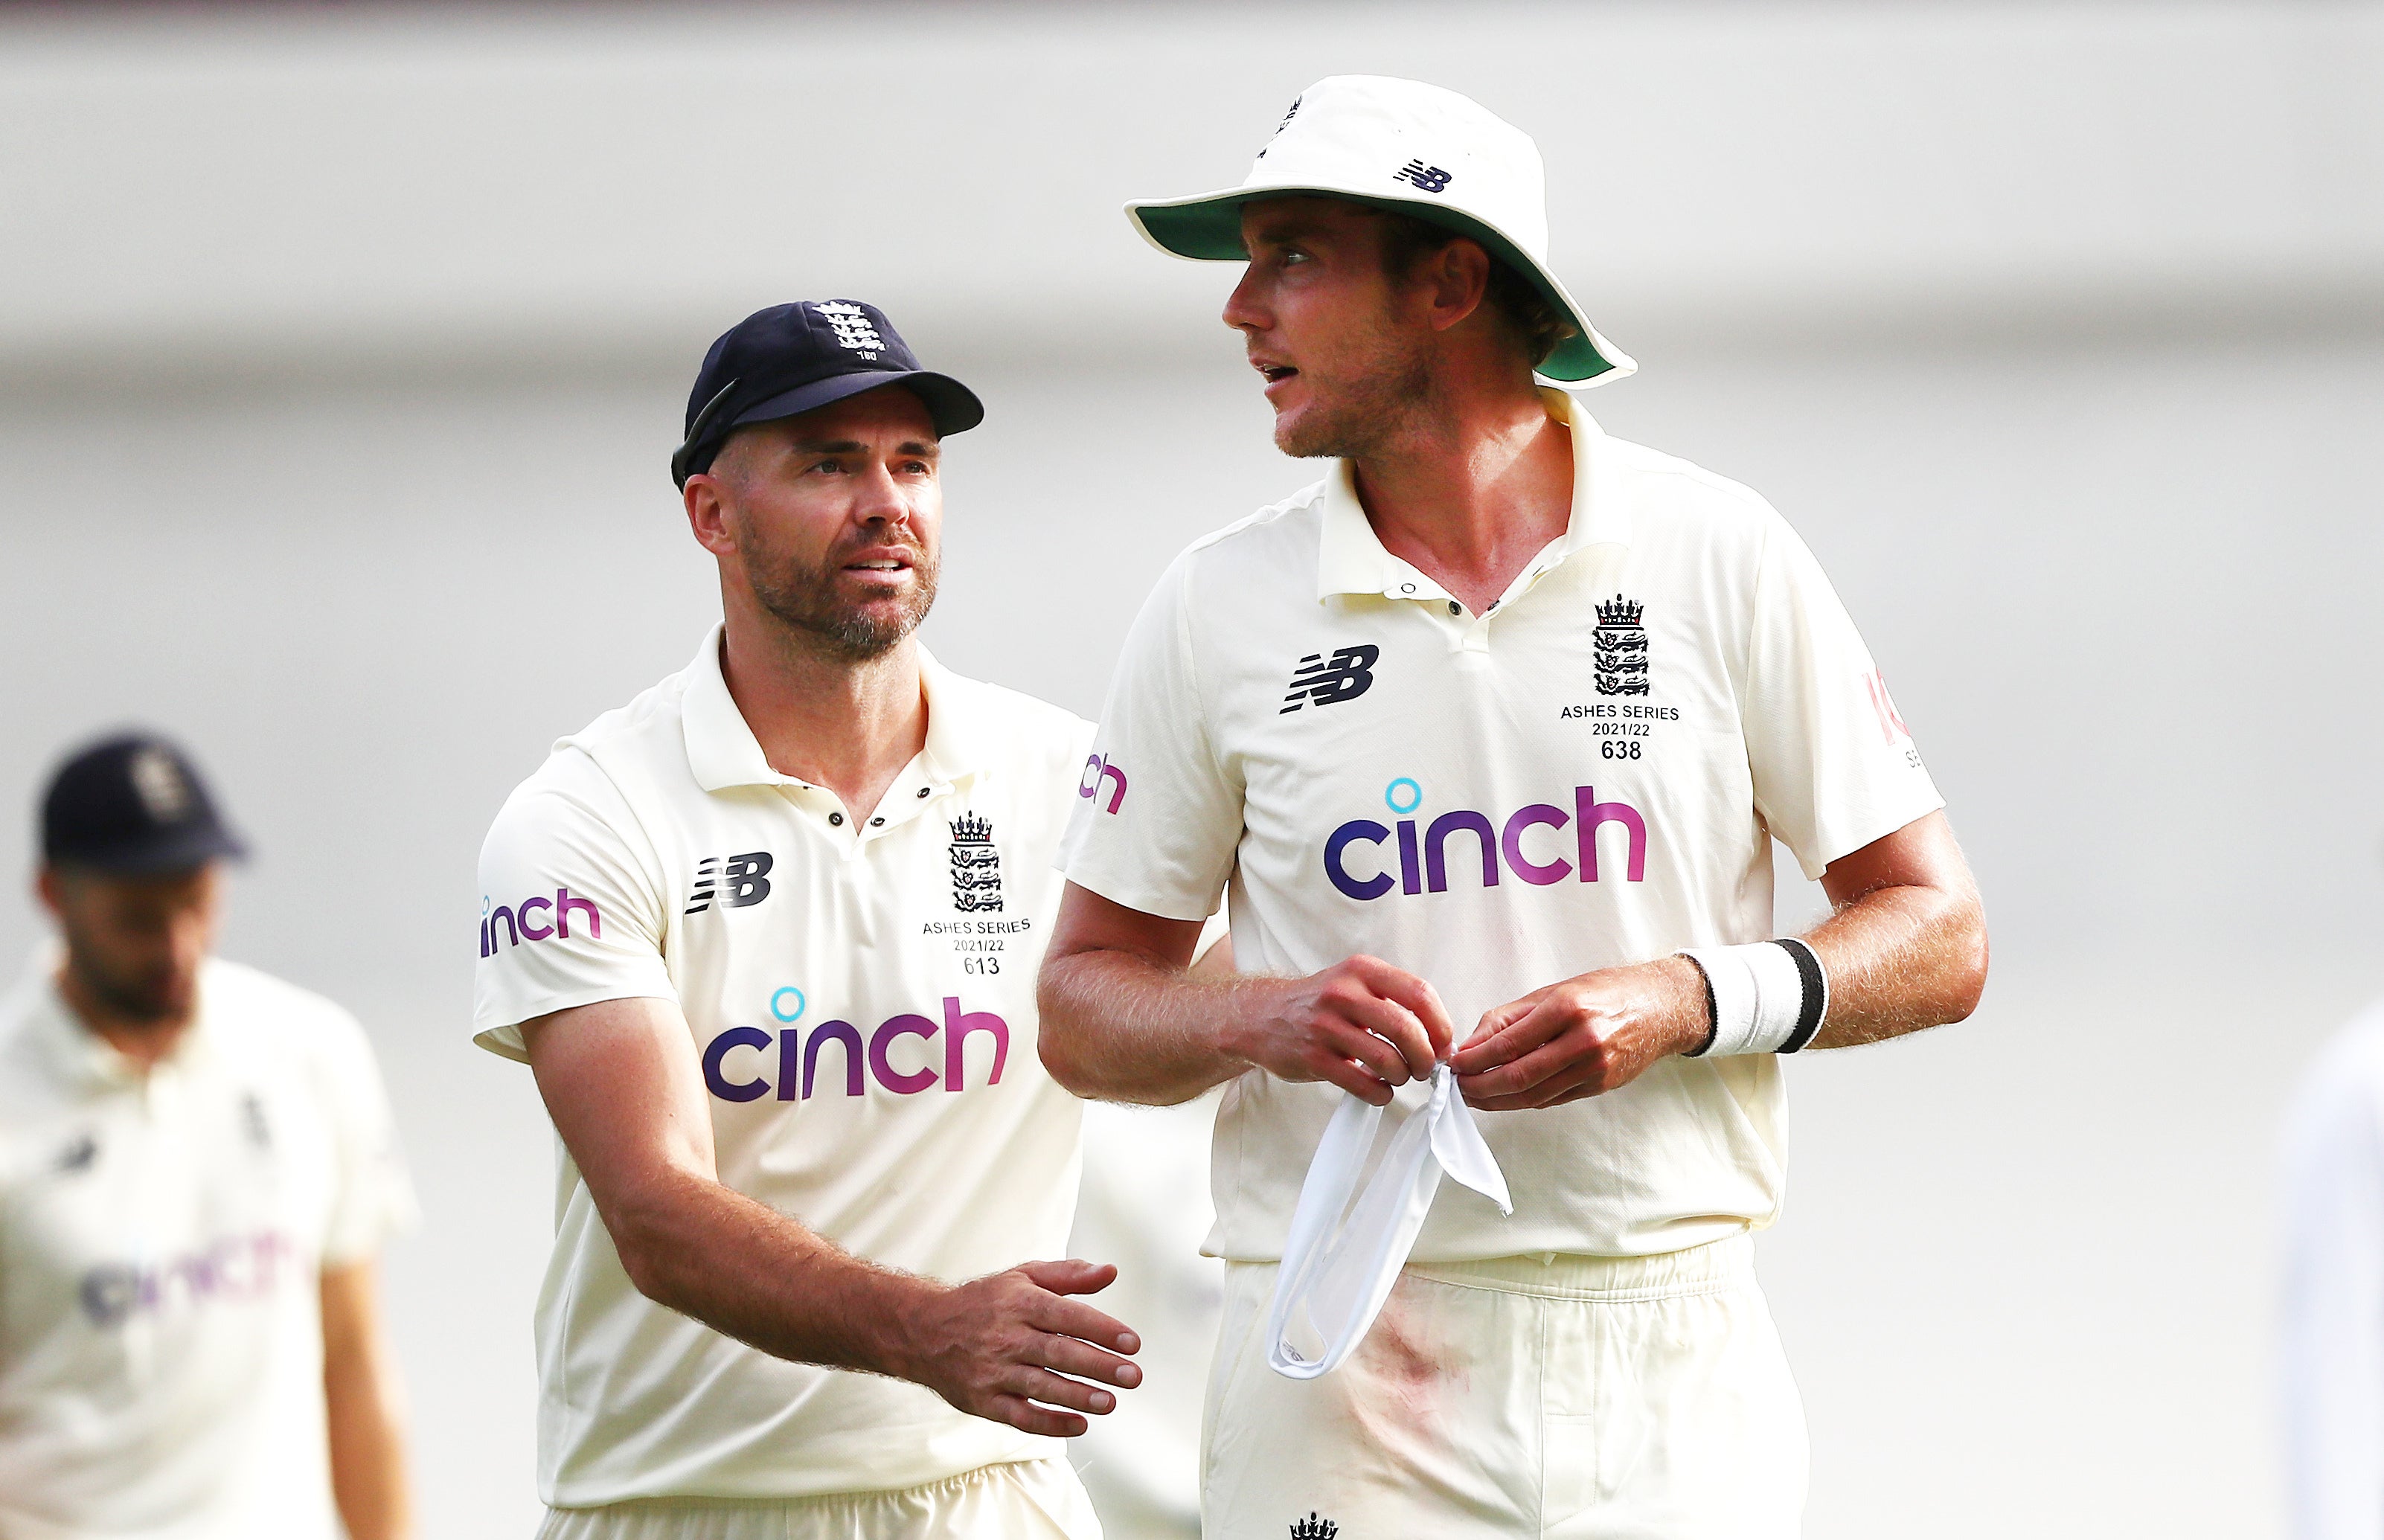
(1299, 435)
(873, 630)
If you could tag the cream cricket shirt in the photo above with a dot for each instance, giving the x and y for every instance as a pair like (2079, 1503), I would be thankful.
(862, 996)
(161, 1239)
(1588, 773)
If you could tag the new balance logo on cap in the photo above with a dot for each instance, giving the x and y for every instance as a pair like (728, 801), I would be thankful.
(736, 882)
(1428, 179)
(1346, 674)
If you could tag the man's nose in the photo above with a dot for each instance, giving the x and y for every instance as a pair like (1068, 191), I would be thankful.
(879, 499)
(1242, 311)
(186, 943)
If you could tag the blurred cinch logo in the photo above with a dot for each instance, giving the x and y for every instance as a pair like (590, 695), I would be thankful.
(738, 1063)
(235, 1268)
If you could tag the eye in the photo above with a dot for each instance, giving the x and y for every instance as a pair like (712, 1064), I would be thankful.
(830, 466)
(1293, 256)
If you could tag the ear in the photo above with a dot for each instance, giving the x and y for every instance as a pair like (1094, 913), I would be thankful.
(707, 513)
(51, 884)
(1460, 274)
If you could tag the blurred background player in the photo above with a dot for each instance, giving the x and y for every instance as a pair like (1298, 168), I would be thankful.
(767, 937)
(1490, 732)
(197, 1172)
(2331, 1320)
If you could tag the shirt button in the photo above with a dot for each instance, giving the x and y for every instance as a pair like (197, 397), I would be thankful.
(1407, 588)
(1454, 606)
(1494, 604)
(836, 818)
(922, 791)
(877, 821)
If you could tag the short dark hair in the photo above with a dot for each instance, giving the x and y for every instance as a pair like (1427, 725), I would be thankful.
(1537, 324)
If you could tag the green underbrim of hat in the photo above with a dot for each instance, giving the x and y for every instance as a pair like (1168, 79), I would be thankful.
(1210, 230)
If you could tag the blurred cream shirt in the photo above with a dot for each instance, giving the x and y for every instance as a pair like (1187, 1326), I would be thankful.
(1590, 773)
(862, 997)
(2330, 1349)
(162, 1236)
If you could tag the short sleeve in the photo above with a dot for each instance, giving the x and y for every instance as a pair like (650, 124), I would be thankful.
(372, 1197)
(571, 905)
(1834, 766)
(1158, 819)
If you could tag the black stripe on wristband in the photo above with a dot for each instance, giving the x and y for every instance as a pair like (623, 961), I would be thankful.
(1817, 993)
(1713, 1011)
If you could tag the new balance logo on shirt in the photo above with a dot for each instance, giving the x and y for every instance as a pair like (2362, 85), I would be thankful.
(736, 882)
(1345, 675)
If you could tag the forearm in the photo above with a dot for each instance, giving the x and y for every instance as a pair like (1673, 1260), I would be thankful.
(363, 1411)
(1899, 959)
(753, 1274)
(1119, 1027)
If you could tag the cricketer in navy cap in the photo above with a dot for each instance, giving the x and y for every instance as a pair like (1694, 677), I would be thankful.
(795, 358)
(133, 803)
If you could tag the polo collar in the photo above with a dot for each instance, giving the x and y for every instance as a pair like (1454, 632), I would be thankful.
(723, 751)
(81, 1058)
(1351, 559)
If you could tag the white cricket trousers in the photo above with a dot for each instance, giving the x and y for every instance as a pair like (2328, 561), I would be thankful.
(1574, 1399)
(1036, 1499)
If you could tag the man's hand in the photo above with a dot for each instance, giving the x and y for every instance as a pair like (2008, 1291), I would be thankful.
(1582, 1036)
(621, 1079)
(1361, 1023)
(1125, 1021)
(1002, 1347)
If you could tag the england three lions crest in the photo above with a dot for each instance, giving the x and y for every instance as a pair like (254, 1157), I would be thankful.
(976, 865)
(1622, 644)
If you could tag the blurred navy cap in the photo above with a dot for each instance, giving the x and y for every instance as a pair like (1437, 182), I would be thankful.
(795, 358)
(133, 803)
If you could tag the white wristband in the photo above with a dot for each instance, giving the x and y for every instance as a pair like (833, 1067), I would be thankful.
(1767, 997)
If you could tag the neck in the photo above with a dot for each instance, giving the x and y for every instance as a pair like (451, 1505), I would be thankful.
(821, 716)
(142, 1039)
(1472, 490)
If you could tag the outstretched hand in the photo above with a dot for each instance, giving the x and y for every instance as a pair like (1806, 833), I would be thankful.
(1005, 1346)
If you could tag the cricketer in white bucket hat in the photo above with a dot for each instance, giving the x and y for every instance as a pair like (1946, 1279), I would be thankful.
(1414, 148)
(1362, 715)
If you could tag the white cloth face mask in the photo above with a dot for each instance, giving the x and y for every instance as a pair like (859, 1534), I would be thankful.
(1342, 1258)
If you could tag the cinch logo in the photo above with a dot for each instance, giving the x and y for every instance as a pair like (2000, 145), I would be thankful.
(1890, 723)
(1423, 863)
(799, 1055)
(1097, 770)
(520, 927)
(243, 1267)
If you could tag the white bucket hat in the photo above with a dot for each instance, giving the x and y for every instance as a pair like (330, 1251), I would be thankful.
(1413, 148)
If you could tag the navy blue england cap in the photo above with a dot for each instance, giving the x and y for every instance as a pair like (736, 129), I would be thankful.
(133, 803)
(795, 358)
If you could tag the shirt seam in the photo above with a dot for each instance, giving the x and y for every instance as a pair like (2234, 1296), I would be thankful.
(661, 891)
(1192, 670)
(1745, 690)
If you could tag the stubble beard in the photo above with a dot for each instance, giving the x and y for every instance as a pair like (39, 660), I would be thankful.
(142, 1004)
(1364, 411)
(805, 601)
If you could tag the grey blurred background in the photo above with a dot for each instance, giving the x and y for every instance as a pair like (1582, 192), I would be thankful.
(341, 352)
